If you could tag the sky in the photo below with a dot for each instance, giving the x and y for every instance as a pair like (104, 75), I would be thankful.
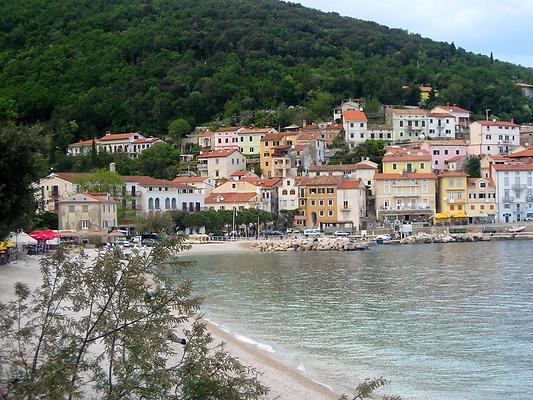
(481, 26)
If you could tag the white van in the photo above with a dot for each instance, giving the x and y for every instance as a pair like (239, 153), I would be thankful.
(312, 233)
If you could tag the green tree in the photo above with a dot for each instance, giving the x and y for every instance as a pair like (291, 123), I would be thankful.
(113, 328)
(156, 222)
(473, 167)
(102, 181)
(178, 129)
(21, 165)
(374, 150)
(159, 161)
(367, 388)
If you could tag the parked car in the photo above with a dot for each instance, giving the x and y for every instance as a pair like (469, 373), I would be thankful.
(290, 230)
(270, 232)
(312, 233)
(124, 243)
(489, 229)
(528, 219)
(148, 242)
(340, 233)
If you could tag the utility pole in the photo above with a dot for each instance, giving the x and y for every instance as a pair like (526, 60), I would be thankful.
(487, 113)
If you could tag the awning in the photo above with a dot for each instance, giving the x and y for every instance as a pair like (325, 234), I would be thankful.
(68, 234)
(442, 216)
(459, 214)
(22, 238)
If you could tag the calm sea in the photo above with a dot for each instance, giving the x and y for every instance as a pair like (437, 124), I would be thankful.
(451, 321)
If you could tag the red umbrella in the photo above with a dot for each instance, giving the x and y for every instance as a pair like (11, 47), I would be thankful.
(50, 234)
(38, 235)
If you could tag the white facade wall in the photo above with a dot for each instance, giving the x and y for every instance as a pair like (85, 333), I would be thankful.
(514, 195)
(493, 139)
(355, 132)
(409, 127)
(441, 127)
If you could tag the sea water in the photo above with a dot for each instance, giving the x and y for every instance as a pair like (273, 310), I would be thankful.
(450, 321)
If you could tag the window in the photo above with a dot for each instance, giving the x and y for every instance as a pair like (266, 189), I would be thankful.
(321, 213)
(394, 166)
(482, 185)
(330, 190)
(436, 152)
(330, 213)
(157, 204)
(313, 202)
(401, 124)
(422, 165)
(452, 183)
(457, 152)
(446, 151)
(85, 208)
(71, 209)
(85, 224)
(345, 205)
(321, 202)
(330, 202)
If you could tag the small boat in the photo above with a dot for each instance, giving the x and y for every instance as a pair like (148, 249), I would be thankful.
(516, 229)
(381, 239)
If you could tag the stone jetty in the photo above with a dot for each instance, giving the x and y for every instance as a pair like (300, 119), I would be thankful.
(443, 238)
(322, 244)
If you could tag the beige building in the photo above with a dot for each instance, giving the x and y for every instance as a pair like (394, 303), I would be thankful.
(408, 197)
(220, 163)
(288, 194)
(481, 205)
(92, 212)
(55, 187)
(493, 137)
(364, 170)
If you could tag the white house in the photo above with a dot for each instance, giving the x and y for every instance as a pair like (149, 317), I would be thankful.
(288, 194)
(221, 163)
(514, 191)
(493, 137)
(355, 127)
(441, 126)
(130, 143)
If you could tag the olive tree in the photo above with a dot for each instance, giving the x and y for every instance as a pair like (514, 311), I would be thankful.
(116, 327)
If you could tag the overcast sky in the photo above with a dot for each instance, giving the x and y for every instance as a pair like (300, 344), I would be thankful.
(504, 27)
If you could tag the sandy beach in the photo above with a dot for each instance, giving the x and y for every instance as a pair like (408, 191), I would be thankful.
(285, 381)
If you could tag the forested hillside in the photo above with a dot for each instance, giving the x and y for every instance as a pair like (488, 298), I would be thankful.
(86, 66)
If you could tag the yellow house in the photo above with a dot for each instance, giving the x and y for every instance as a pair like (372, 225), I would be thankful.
(90, 212)
(452, 197)
(271, 145)
(250, 140)
(481, 205)
(399, 160)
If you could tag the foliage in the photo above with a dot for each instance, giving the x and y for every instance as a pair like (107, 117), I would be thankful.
(178, 129)
(473, 167)
(216, 220)
(110, 329)
(137, 66)
(156, 222)
(366, 389)
(374, 150)
(101, 181)
(159, 161)
(45, 220)
(21, 164)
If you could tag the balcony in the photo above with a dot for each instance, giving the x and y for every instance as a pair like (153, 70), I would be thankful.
(529, 198)
(410, 208)
(508, 199)
(518, 187)
(202, 167)
(456, 201)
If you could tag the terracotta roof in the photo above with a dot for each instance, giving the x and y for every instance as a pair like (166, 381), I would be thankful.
(381, 177)
(307, 136)
(331, 167)
(149, 181)
(274, 136)
(230, 197)
(528, 152)
(452, 173)
(146, 140)
(83, 143)
(191, 179)
(367, 164)
(354, 115)
(239, 173)
(454, 108)
(228, 129)
(256, 130)
(451, 142)
(89, 198)
(266, 183)
(456, 158)
(320, 180)
(474, 181)
(409, 111)
(426, 88)
(300, 147)
(440, 115)
(217, 153)
(349, 184)
(69, 176)
(513, 167)
(117, 136)
(497, 123)
(206, 134)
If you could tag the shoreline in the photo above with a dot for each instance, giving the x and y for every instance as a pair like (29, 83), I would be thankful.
(286, 382)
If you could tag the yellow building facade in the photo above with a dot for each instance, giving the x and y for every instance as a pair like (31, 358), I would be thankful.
(452, 196)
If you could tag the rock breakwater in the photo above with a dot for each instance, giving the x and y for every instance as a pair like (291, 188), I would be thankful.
(323, 244)
(443, 238)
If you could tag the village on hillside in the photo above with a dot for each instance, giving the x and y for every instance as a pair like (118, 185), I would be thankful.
(422, 178)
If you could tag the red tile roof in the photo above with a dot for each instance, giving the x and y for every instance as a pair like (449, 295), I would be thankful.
(426, 88)
(354, 115)
(366, 165)
(440, 115)
(224, 198)
(217, 153)
(379, 127)
(456, 158)
(307, 136)
(474, 181)
(71, 177)
(454, 108)
(513, 167)
(146, 140)
(275, 136)
(528, 152)
(300, 147)
(349, 184)
(117, 136)
(257, 130)
(83, 143)
(409, 111)
(497, 123)
(239, 173)
(89, 198)
(381, 177)
(190, 179)
(228, 129)
(266, 183)
(319, 180)
(333, 167)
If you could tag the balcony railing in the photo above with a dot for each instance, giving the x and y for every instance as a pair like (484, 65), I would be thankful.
(508, 199)
(407, 207)
(456, 201)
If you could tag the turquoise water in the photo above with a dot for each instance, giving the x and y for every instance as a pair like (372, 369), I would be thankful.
(451, 321)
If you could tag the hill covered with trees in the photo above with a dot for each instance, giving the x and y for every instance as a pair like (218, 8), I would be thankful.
(82, 67)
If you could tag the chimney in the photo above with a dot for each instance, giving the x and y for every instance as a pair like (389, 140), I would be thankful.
(112, 167)
(304, 123)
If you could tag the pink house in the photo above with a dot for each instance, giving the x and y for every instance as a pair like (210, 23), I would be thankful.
(226, 138)
(443, 150)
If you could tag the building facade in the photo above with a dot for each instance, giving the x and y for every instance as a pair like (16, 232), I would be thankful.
(493, 137)
(91, 212)
(481, 206)
(442, 151)
(220, 163)
(514, 191)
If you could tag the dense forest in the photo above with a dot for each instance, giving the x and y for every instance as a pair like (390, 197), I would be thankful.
(82, 67)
